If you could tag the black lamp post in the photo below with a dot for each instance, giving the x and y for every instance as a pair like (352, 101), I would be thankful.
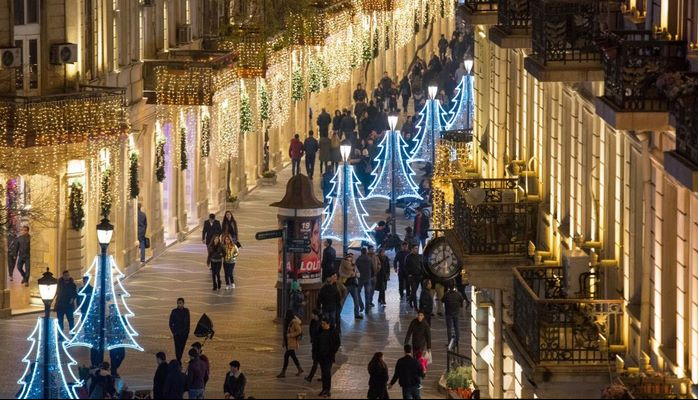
(392, 122)
(345, 149)
(48, 286)
(105, 230)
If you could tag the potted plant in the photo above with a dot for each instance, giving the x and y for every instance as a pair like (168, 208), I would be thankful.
(615, 391)
(233, 203)
(269, 178)
(460, 383)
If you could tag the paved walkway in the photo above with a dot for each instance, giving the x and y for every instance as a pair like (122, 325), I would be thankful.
(243, 319)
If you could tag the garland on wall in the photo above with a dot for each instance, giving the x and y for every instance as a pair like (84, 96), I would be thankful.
(183, 158)
(105, 195)
(77, 206)
(245, 112)
(133, 186)
(314, 76)
(206, 137)
(263, 102)
(160, 160)
(297, 86)
(367, 54)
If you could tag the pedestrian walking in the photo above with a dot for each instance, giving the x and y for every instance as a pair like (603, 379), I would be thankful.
(349, 275)
(409, 374)
(325, 154)
(179, 326)
(235, 382)
(314, 331)
(160, 376)
(330, 300)
(359, 94)
(293, 330)
(197, 375)
(66, 299)
(400, 264)
(337, 121)
(443, 46)
(216, 253)
(365, 266)
(421, 226)
(420, 333)
(22, 252)
(383, 276)
(328, 346)
(116, 355)
(453, 304)
(414, 266)
(176, 382)
(212, 228)
(426, 300)
(376, 269)
(295, 152)
(142, 229)
(311, 147)
(230, 226)
(323, 122)
(336, 150)
(329, 257)
(103, 384)
(378, 378)
(297, 303)
(200, 351)
(229, 261)
(405, 92)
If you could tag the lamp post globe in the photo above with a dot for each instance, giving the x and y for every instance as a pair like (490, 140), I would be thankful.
(48, 286)
(468, 63)
(433, 91)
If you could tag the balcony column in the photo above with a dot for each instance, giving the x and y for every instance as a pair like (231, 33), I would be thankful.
(498, 362)
(648, 243)
(480, 339)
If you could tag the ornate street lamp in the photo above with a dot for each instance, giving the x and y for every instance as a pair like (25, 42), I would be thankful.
(48, 286)
(345, 149)
(105, 230)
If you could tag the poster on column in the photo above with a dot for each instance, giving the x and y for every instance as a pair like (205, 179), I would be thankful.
(306, 267)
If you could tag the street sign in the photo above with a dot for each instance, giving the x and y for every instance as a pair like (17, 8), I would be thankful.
(269, 234)
(299, 242)
(298, 249)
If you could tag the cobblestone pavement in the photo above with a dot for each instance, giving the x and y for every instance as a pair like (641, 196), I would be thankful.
(243, 319)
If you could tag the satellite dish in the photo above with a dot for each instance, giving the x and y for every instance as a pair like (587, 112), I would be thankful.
(475, 197)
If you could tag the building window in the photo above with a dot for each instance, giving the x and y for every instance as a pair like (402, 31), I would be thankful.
(141, 35)
(166, 27)
(115, 34)
(26, 12)
(187, 12)
(691, 22)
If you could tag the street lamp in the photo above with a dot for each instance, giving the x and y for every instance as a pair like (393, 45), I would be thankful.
(392, 122)
(48, 286)
(105, 230)
(433, 90)
(468, 65)
(345, 149)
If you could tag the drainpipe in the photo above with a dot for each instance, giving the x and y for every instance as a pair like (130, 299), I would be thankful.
(645, 317)
(498, 346)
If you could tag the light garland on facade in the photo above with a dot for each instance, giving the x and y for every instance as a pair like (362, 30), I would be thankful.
(106, 196)
(279, 85)
(245, 111)
(263, 101)
(226, 123)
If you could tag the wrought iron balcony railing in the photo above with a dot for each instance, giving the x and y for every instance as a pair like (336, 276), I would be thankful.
(683, 97)
(481, 6)
(489, 218)
(566, 30)
(633, 60)
(513, 15)
(556, 330)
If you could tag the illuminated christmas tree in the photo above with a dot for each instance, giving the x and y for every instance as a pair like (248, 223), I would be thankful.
(333, 224)
(62, 383)
(432, 120)
(462, 112)
(393, 164)
(118, 331)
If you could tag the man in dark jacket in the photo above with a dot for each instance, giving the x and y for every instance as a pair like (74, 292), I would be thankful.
(212, 228)
(160, 376)
(295, 152)
(329, 257)
(443, 47)
(179, 326)
(66, 299)
(323, 122)
(400, 264)
(453, 303)
(386, 84)
(414, 274)
(22, 251)
(410, 374)
(421, 226)
(327, 347)
(365, 266)
(311, 147)
(142, 228)
(235, 382)
(359, 94)
(197, 375)
(329, 300)
(420, 333)
(348, 124)
(314, 331)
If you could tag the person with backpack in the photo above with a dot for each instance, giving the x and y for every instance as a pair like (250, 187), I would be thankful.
(293, 332)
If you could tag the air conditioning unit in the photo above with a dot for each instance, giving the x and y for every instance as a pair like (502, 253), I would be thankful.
(184, 34)
(64, 53)
(148, 3)
(11, 57)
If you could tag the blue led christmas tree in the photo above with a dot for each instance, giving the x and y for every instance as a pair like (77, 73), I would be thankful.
(432, 120)
(333, 224)
(462, 111)
(393, 174)
(62, 383)
(118, 331)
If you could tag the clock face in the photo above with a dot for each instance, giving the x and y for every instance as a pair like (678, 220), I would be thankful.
(441, 260)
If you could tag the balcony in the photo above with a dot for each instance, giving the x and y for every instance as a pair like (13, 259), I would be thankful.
(513, 29)
(39, 134)
(564, 39)
(480, 12)
(553, 333)
(323, 18)
(495, 225)
(633, 60)
(188, 77)
(682, 163)
(251, 46)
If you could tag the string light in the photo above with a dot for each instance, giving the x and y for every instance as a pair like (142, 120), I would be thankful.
(279, 82)
(226, 123)
(383, 185)
(431, 123)
(461, 114)
(333, 224)
(59, 360)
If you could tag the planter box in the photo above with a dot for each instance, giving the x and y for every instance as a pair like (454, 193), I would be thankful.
(452, 394)
(269, 181)
(232, 205)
